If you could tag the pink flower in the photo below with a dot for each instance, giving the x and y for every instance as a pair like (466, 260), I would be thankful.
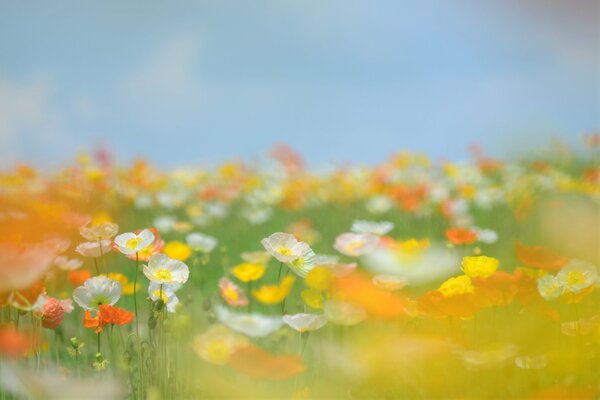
(231, 293)
(52, 313)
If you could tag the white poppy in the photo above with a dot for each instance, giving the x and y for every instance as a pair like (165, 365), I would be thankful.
(304, 322)
(166, 271)
(94, 249)
(99, 232)
(131, 243)
(201, 242)
(166, 293)
(343, 313)
(254, 325)
(375, 228)
(97, 291)
(356, 244)
(68, 264)
(284, 247)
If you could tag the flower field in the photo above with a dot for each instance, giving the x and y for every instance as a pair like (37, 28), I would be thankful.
(269, 279)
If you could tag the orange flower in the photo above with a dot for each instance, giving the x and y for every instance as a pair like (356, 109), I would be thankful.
(52, 313)
(539, 257)
(13, 343)
(107, 315)
(435, 304)
(258, 363)
(79, 276)
(458, 236)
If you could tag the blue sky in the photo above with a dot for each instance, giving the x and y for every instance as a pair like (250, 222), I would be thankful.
(195, 82)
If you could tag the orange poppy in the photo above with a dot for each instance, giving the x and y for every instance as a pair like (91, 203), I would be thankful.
(107, 315)
(539, 257)
(258, 363)
(78, 277)
(459, 236)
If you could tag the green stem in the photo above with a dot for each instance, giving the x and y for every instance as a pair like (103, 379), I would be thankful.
(135, 279)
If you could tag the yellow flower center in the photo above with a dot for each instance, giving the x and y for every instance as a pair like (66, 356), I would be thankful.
(285, 251)
(575, 278)
(133, 243)
(163, 274)
(231, 294)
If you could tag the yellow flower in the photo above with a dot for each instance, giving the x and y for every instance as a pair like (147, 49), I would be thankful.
(274, 294)
(479, 266)
(319, 278)
(177, 250)
(458, 285)
(247, 272)
(122, 279)
(412, 246)
(313, 298)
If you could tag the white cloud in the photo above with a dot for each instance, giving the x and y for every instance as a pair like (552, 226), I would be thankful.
(29, 120)
(165, 79)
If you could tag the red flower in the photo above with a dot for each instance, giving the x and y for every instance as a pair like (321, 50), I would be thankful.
(52, 314)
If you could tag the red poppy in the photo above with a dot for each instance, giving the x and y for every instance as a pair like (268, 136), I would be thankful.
(107, 315)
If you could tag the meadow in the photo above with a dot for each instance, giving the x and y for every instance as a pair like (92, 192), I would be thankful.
(410, 279)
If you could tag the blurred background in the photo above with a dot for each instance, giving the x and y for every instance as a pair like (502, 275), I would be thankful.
(193, 82)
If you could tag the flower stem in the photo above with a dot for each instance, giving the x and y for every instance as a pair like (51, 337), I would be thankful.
(137, 267)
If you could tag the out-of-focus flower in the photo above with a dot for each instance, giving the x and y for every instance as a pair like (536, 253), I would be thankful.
(580, 327)
(200, 242)
(105, 230)
(128, 287)
(343, 313)
(356, 244)
(284, 246)
(247, 272)
(166, 271)
(458, 236)
(549, 287)
(379, 205)
(256, 257)
(177, 250)
(52, 313)
(274, 294)
(577, 275)
(539, 257)
(372, 227)
(28, 299)
(217, 344)
(253, 325)
(258, 363)
(304, 322)
(319, 278)
(304, 263)
(304, 231)
(106, 315)
(94, 249)
(389, 282)
(21, 266)
(13, 343)
(78, 277)
(166, 293)
(164, 224)
(313, 298)
(479, 266)
(486, 236)
(97, 291)
(491, 356)
(531, 361)
(131, 243)
(67, 264)
(458, 285)
(155, 248)
(231, 293)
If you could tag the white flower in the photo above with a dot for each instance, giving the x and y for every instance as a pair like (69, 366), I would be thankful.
(376, 228)
(284, 247)
(99, 232)
(166, 293)
(166, 271)
(486, 236)
(577, 275)
(201, 242)
(254, 325)
(94, 249)
(343, 313)
(304, 263)
(130, 243)
(164, 224)
(549, 287)
(379, 205)
(356, 244)
(304, 322)
(96, 291)
(67, 264)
